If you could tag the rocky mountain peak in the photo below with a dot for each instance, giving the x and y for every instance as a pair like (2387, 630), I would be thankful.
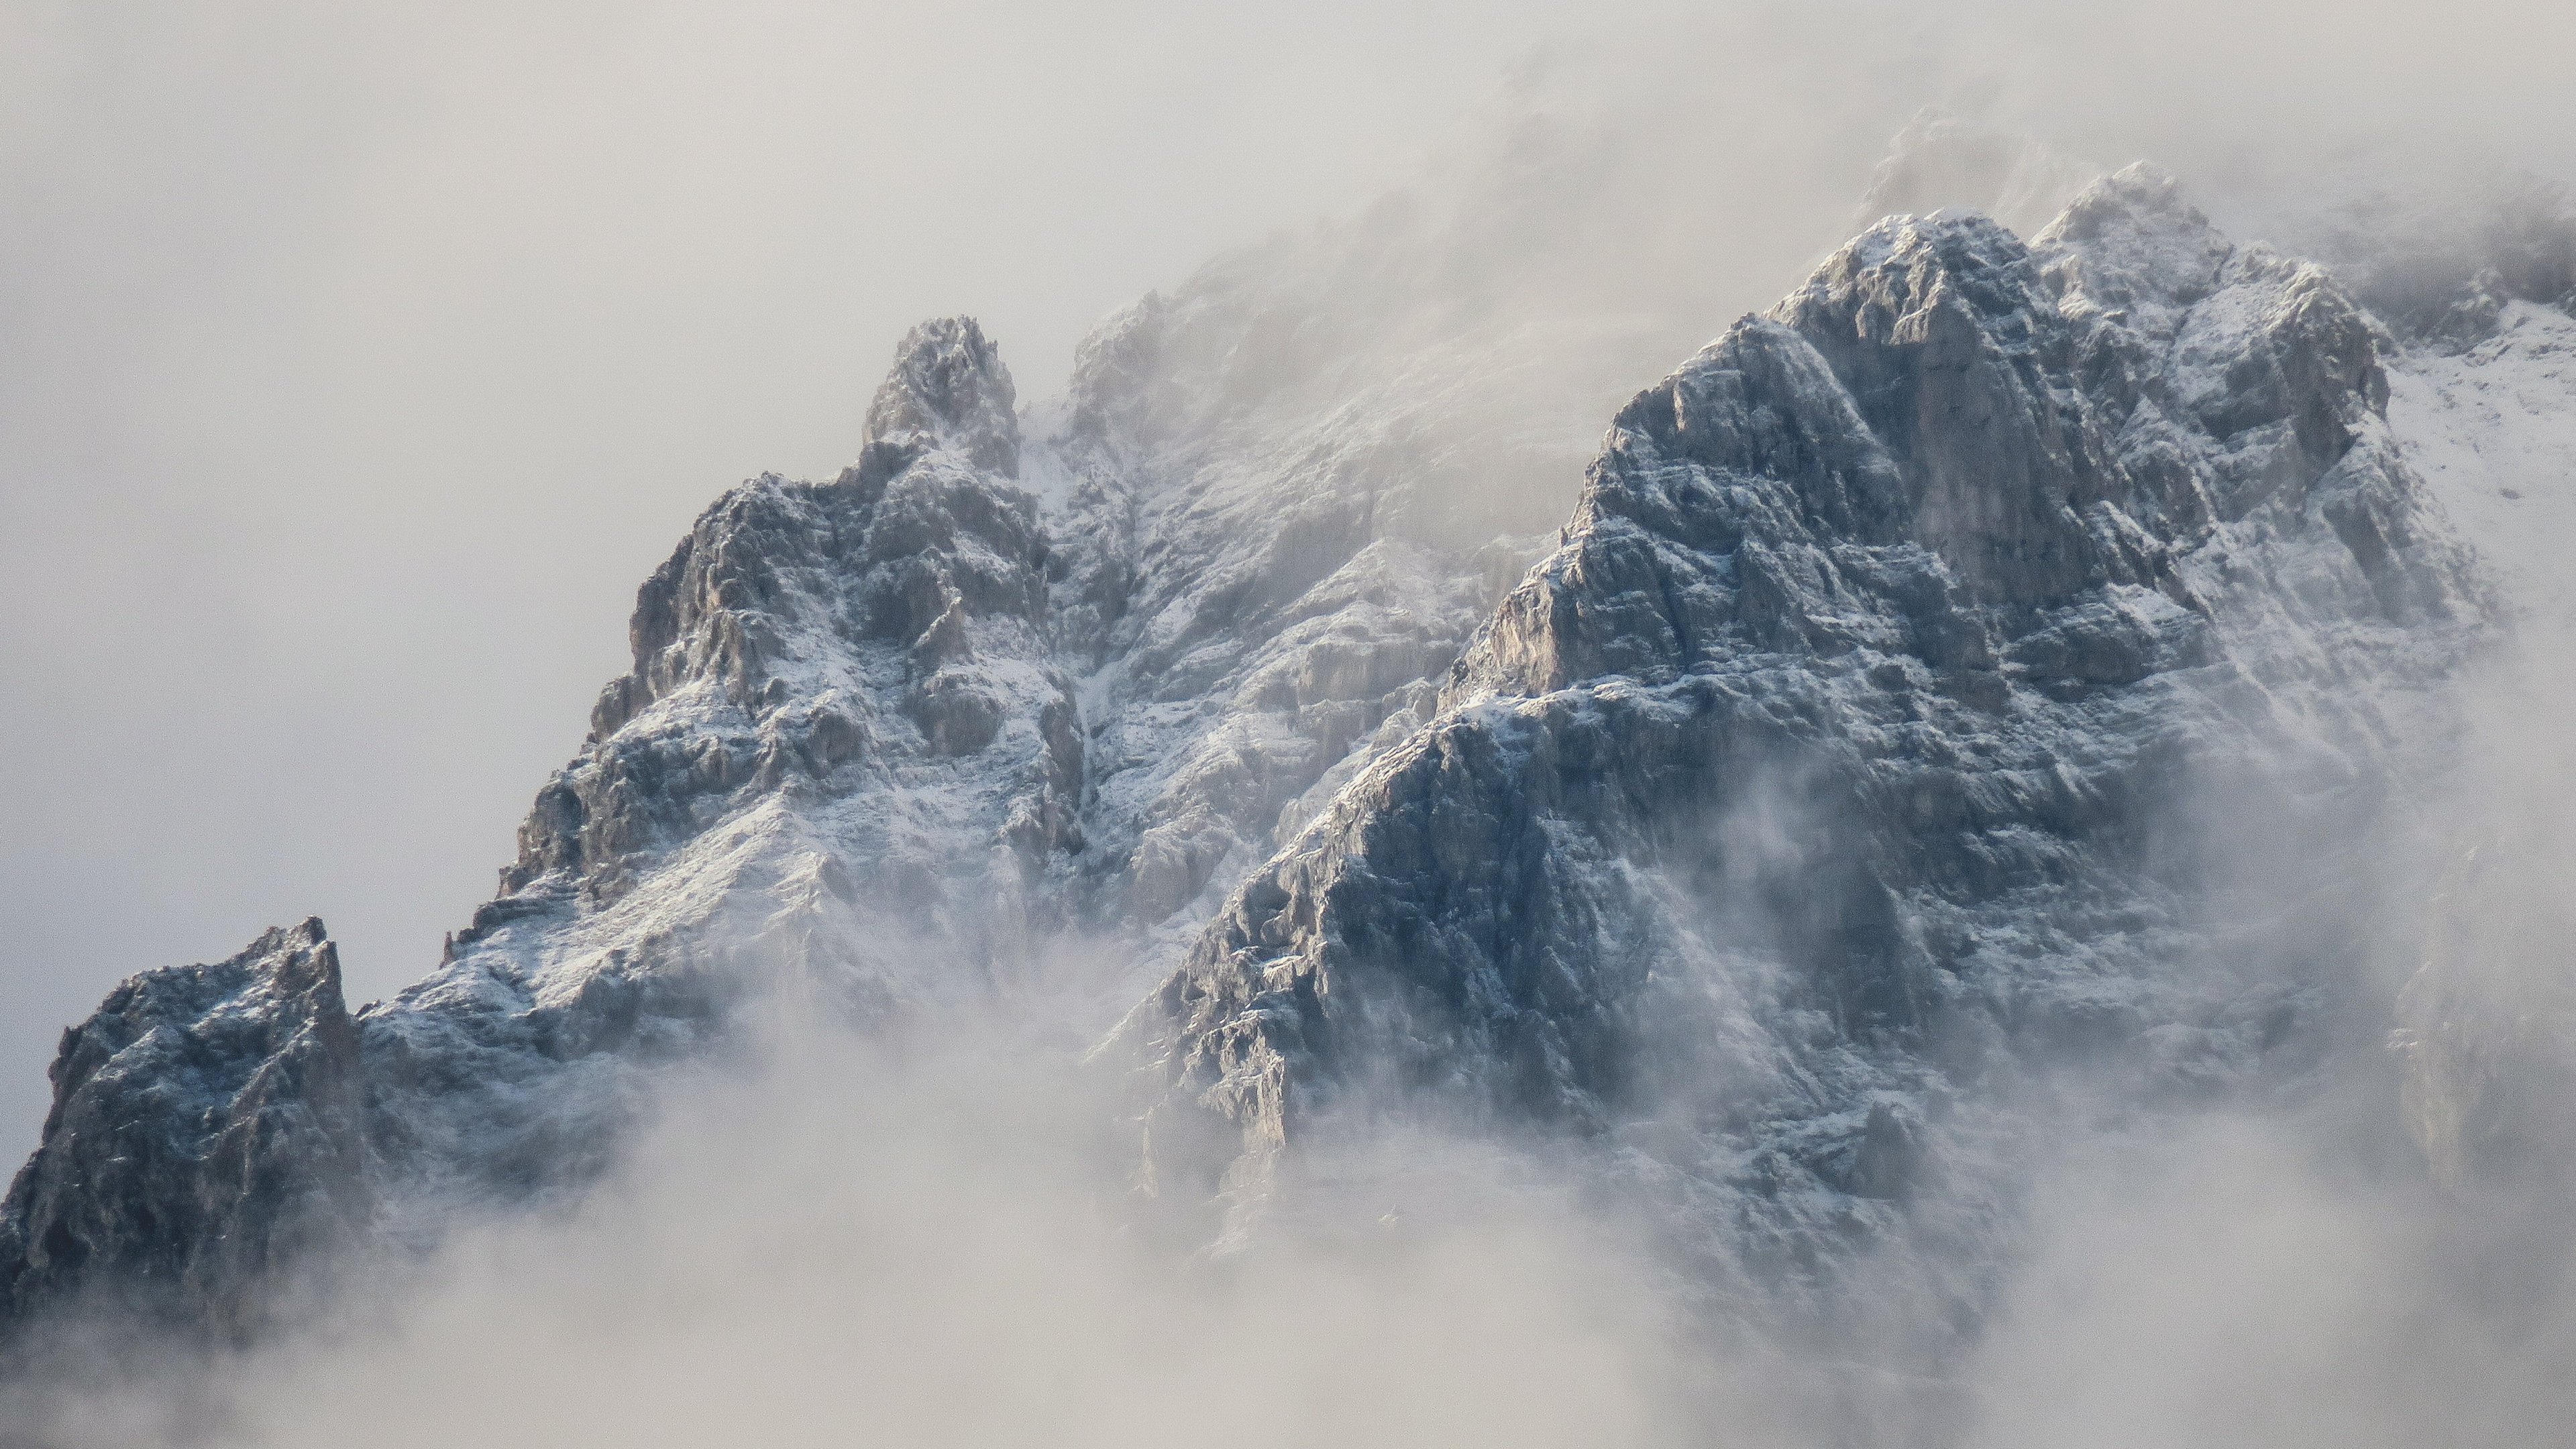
(949, 389)
(1883, 630)
(1942, 332)
(1813, 774)
(208, 1126)
(2132, 245)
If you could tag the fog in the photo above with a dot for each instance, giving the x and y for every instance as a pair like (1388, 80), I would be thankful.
(357, 364)
(354, 367)
(853, 1244)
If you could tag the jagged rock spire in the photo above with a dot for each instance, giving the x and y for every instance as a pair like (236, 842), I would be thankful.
(949, 389)
(207, 1130)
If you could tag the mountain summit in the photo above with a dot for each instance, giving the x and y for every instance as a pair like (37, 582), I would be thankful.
(1921, 666)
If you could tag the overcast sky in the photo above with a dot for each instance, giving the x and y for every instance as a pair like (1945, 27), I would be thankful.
(357, 362)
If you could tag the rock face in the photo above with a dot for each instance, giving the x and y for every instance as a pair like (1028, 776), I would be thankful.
(845, 764)
(1825, 780)
(207, 1134)
(1774, 832)
(1251, 602)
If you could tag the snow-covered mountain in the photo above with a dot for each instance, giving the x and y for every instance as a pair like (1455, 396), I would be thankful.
(1771, 831)
(1829, 784)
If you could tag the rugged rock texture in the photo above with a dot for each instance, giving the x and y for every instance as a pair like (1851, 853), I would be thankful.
(1827, 779)
(1254, 608)
(1771, 833)
(207, 1133)
(843, 766)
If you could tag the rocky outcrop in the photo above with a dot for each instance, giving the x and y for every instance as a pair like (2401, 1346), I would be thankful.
(1243, 576)
(1827, 776)
(950, 391)
(207, 1134)
(844, 765)
(1818, 786)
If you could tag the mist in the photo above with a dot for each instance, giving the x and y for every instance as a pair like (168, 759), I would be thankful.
(357, 365)
(929, 1241)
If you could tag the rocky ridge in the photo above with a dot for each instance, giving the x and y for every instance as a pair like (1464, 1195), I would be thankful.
(1820, 791)
(208, 1132)
(1814, 769)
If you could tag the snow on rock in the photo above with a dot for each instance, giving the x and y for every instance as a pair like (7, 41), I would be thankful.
(207, 1135)
(845, 764)
(1815, 772)
(1812, 792)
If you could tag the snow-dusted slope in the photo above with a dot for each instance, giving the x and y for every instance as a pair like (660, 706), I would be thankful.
(1816, 765)
(1822, 792)
(2491, 428)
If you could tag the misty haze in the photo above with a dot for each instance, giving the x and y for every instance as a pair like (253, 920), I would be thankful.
(1801, 726)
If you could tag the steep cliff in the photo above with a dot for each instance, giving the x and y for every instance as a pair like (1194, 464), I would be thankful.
(1853, 759)
(1925, 670)
(207, 1138)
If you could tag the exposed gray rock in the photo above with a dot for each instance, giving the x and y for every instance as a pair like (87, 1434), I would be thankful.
(1812, 787)
(949, 390)
(844, 764)
(207, 1134)
(1826, 780)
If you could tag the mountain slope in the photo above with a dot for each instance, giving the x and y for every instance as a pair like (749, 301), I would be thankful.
(207, 1133)
(1846, 763)
(1832, 779)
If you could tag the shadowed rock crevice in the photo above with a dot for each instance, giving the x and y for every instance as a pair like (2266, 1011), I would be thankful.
(1826, 776)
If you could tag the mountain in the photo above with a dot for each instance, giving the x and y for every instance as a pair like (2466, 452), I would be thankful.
(1831, 782)
(1925, 669)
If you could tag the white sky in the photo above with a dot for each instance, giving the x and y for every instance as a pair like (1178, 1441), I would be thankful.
(357, 362)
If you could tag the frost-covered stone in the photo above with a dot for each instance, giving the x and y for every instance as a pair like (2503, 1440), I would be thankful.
(949, 390)
(1824, 779)
(208, 1133)
(1808, 789)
